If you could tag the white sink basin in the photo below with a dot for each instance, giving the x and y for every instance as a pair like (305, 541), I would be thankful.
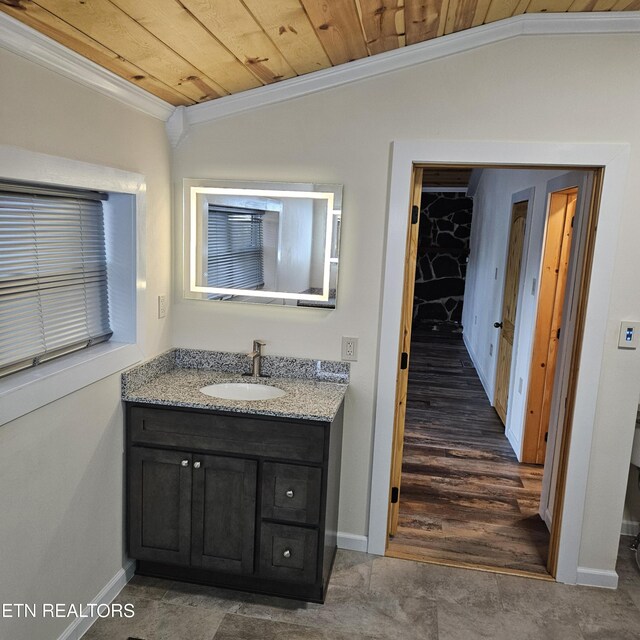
(242, 391)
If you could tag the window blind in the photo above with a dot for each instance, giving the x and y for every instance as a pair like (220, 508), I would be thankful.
(235, 248)
(53, 275)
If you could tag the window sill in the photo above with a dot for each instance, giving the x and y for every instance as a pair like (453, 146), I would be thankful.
(26, 391)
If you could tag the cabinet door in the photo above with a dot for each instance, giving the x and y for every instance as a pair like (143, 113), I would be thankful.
(224, 513)
(159, 505)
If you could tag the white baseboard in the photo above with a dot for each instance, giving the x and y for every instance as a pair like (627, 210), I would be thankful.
(630, 528)
(107, 595)
(352, 542)
(483, 380)
(597, 578)
(547, 518)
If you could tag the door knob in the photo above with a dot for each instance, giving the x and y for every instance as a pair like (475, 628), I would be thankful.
(497, 325)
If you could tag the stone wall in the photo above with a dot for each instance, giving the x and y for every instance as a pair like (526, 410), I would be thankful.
(443, 248)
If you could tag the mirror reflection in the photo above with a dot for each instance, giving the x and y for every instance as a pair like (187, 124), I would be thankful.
(272, 243)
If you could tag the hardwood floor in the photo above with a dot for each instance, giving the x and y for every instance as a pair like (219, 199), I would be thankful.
(464, 498)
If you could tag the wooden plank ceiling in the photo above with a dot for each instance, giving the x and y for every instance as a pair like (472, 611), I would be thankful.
(190, 51)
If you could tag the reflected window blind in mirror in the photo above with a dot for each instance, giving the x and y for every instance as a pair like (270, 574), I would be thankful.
(53, 274)
(235, 248)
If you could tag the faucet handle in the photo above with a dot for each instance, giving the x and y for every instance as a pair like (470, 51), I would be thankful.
(257, 344)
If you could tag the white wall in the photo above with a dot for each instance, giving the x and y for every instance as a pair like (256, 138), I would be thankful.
(497, 92)
(484, 287)
(61, 474)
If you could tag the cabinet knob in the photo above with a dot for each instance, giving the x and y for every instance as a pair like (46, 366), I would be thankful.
(287, 553)
(185, 463)
(196, 465)
(289, 493)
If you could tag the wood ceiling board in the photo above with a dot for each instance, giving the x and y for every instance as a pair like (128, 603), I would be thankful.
(337, 24)
(423, 19)
(501, 9)
(627, 5)
(460, 15)
(480, 14)
(114, 29)
(50, 25)
(170, 22)
(446, 177)
(593, 5)
(237, 29)
(288, 26)
(549, 6)
(380, 20)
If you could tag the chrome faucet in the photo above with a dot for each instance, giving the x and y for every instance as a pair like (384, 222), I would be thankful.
(256, 355)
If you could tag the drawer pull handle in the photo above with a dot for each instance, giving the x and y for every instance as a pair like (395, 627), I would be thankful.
(196, 465)
(287, 553)
(185, 463)
(289, 493)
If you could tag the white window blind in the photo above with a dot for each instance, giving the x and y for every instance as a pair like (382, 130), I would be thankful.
(53, 274)
(235, 241)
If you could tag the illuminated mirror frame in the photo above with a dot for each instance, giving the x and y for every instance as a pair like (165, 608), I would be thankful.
(193, 189)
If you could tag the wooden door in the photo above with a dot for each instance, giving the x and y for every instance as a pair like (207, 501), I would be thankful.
(555, 264)
(402, 379)
(159, 505)
(509, 307)
(224, 513)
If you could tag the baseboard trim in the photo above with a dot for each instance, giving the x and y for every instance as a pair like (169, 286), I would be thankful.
(588, 577)
(107, 595)
(630, 528)
(352, 542)
(474, 359)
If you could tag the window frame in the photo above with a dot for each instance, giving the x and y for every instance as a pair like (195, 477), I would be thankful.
(125, 213)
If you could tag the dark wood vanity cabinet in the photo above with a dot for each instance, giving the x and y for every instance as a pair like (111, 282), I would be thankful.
(241, 501)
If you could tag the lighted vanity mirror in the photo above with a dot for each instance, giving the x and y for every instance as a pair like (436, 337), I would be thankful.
(262, 242)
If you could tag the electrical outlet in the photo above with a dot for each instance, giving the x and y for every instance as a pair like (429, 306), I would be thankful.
(349, 349)
(162, 306)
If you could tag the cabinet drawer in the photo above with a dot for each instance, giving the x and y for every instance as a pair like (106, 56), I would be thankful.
(227, 434)
(291, 492)
(288, 553)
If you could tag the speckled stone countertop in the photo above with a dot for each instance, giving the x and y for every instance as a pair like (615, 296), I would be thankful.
(314, 388)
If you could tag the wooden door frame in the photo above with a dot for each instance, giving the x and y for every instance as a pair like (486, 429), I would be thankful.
(615, 160)
(583, 274)
(404, 347)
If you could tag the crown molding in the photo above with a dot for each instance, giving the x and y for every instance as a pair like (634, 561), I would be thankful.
(36, 47)
(463, 41)
(32, 45)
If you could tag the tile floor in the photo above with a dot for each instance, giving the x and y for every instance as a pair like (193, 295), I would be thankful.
(372, 597)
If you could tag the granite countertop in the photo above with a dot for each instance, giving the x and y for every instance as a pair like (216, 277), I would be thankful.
(314, 388)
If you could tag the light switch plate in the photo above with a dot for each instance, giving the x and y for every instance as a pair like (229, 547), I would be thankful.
(162, 306)
(629, 336)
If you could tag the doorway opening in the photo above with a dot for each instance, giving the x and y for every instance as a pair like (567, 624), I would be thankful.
(480, 391)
